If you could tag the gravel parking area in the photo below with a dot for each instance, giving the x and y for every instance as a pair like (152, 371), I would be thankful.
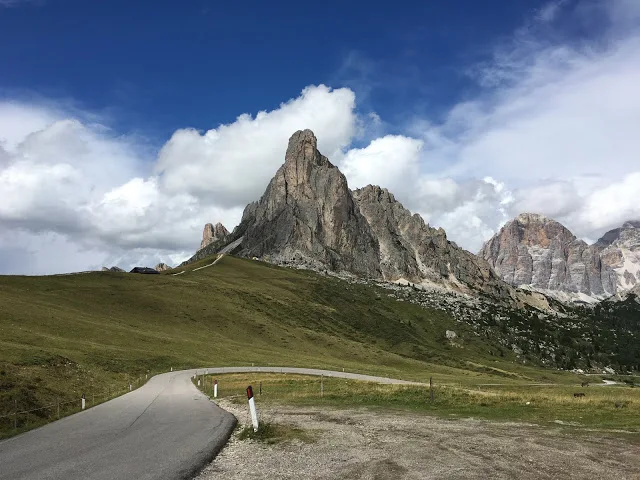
(362, 444)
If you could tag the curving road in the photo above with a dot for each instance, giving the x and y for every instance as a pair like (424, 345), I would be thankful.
(166, 429)
(309, 371)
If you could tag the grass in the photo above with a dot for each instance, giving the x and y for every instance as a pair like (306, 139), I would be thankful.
(98, 332)
(543, 405)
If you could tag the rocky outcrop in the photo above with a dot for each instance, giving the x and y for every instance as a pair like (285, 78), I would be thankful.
(213, 233)
(214, 238)
(620, 250)
(538, 252)
(308, 216)
(161, 267)
(112, 269)
(412, 250)
(624, 295)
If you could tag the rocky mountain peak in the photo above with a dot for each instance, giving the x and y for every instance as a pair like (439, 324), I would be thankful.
(631, 224)
(302, 157)
(381, 194)
(307, 216)
(541, 253)
(620, 249)
(213, 233)
(532, 219)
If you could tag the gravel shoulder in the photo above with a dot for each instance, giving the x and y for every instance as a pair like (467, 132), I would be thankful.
(363, 444)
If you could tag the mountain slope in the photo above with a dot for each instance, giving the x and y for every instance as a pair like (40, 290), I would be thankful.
(538, 252)
(412, 250)
(67, 334)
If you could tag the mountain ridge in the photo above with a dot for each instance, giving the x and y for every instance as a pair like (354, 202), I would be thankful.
(537, 252)
(308, 217)
(620, 249)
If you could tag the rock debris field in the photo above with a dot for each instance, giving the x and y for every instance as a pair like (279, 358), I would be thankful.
(363, 444)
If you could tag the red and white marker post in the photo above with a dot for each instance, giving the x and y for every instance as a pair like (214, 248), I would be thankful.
(215, 389)
(252, 408)
(83, 401)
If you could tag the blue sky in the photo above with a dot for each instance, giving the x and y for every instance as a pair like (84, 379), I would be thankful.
(158, 66)
(125, 126)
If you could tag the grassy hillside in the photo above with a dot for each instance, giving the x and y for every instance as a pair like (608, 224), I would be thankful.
(98, 332)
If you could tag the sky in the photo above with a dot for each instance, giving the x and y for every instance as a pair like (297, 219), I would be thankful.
(126, 126)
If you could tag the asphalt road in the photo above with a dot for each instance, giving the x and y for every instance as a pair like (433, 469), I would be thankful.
(166, 429)
(308, 371)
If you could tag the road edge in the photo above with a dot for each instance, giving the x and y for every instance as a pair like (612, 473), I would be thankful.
(208, 454)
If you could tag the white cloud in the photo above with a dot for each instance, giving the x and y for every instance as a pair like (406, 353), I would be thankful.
(80, 187)
(608, 207)
(233, 163)
(19, 120)
(392, 161)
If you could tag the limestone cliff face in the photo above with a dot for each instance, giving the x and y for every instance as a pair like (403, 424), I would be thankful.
(213, 233)
(620, 250)
(411, 249)
(307, 215)
(535, 251)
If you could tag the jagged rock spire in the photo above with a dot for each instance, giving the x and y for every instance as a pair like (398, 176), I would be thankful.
(213, 233)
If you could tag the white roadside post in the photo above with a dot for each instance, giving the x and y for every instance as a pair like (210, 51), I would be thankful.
(215, 389)
(83, 401)
(252, 408)
(130, 387)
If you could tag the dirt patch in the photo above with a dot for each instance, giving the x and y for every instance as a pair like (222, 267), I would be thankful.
(361, 444)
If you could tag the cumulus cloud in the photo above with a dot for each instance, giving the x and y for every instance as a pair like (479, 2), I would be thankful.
(79, 186)
(392, 161)
(233, 163)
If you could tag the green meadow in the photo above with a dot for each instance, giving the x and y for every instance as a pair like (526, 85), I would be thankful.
(97, 333)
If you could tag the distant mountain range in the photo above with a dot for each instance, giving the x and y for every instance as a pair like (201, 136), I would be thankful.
(309, 218)
(533, 251)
